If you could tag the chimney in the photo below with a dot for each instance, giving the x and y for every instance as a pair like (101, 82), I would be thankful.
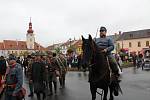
(74, 38)
(119, 32)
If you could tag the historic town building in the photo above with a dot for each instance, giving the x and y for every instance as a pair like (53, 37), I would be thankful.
(30, 39)
(21, 47)
(134, 41)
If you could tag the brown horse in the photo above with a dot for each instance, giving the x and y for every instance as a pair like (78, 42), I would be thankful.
(99, 71)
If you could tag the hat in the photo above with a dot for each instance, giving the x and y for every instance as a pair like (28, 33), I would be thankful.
(12, 57)
(102, 29)
(54, 54)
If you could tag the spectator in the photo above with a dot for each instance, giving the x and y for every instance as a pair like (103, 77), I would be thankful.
(134, 58)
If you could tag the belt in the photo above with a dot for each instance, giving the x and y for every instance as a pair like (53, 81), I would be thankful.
(11, 85)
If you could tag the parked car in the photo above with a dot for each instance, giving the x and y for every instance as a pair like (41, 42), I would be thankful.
(146, 64)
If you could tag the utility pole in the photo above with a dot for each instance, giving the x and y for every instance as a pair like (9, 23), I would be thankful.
(96, 32)
(70, 41)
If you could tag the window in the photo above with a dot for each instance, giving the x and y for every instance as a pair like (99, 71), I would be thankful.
(131, 35)
(79, 49)
(130, 45)
(148, 33)
(139, 44)
(30, 46)
(147, 43)
(8, 52)
(118, 45)
(30, 40)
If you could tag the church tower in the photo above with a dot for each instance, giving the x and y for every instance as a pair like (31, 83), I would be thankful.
(30, 37)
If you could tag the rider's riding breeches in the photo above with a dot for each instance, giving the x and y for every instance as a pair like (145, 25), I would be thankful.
(113, 64)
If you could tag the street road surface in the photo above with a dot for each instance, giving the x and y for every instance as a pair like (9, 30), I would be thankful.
(135, 86)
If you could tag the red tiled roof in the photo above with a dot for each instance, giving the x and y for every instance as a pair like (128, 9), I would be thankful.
(22, 45)
(68, 43)
(50, 47)
(78, 43)
(19, 45)
(1, 46)
(11, 45)
(38, 47)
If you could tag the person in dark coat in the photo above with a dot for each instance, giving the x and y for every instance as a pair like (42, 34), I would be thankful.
(18, 61)
(37, 77)
(30, 62)
(2, 68)
(25, 64)
(63, 69)
(134, 58)
(79, 62)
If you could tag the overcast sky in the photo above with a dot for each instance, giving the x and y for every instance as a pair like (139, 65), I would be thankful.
(56, 21)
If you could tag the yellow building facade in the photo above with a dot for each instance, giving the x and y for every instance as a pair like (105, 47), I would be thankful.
(134, 41)
(134, 45)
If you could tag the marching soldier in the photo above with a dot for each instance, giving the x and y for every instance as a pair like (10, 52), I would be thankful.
(52, 78)
(14, 80)
(3, 68)
(63, 69)
(37, 77)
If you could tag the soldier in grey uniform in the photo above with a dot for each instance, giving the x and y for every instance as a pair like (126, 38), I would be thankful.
(38, 77)
(14, 80)
(106, 45)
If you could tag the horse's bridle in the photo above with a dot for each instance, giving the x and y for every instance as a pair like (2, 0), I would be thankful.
(93, 54)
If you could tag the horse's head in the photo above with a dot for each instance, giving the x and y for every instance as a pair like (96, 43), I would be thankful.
(88, 48)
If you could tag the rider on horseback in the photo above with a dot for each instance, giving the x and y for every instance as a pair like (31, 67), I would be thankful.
(106, 45)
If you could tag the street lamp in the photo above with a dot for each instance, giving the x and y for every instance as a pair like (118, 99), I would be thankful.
(121, 39)
(70, 41)
(122, 43)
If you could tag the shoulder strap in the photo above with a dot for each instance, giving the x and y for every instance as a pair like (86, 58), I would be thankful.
(59, 61)
(7, 71)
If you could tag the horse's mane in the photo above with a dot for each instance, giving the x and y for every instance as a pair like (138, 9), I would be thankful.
(98, 66)
(99, 56)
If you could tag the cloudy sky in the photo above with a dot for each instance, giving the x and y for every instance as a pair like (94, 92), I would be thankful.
(56, 21)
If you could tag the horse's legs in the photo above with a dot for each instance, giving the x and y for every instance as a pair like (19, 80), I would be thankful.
(93, 89)
(111, 93)
(105, 93)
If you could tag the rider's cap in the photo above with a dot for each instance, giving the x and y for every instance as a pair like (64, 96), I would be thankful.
(103, 29)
